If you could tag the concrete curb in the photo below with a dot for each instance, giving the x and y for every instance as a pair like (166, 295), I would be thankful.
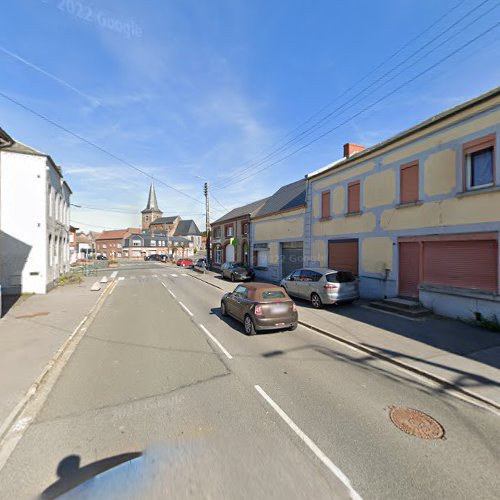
(404, 366)
(35, 386)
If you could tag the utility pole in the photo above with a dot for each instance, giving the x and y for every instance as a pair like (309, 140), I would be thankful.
(207, 222)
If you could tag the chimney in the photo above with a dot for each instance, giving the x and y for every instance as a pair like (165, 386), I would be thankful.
(350, 149)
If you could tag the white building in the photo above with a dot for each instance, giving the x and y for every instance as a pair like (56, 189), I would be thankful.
(34, 219)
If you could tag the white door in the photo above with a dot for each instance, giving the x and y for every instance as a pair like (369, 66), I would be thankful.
(230, 253)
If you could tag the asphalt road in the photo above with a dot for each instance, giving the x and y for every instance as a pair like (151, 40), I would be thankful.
(221, 415)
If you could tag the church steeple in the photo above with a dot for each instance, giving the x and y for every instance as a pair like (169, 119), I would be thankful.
(151, 212)
(152, 202)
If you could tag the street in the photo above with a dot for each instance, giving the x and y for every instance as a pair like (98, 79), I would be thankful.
(218, 414)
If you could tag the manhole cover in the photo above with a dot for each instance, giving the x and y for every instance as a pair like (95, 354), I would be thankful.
(416, 423)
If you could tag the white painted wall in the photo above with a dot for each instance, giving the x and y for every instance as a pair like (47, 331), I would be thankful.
(27, 218)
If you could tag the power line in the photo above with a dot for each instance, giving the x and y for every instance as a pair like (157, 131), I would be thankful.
(369, 73)
(307, 132)
(117, 210)
(385, 96)
(96, 146)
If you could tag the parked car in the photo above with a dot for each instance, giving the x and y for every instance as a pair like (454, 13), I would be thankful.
(101, 257)
(157, 257)
(201, 264)
(260, 306)
(185, 263)
(237, 272)
(322, 286)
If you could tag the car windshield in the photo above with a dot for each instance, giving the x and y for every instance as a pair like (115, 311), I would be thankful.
(273, 294)
(340, 277)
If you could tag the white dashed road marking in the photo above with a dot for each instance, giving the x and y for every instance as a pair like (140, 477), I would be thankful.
(172, 293)
(113, 275)
(174, 275)
(186, 309)
(310, 443)
(121, 278)
(215, 341)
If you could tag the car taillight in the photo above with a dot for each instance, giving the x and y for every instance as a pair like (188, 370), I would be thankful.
(294, 307)
(258, 310)
(330, 287)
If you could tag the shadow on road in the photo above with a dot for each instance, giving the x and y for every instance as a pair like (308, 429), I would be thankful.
(72, 475)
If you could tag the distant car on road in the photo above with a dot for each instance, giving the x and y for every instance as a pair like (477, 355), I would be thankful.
(101, 257)
(236, 272)
(322, 286)
(185, 263)
(260, 306)
(157, 257)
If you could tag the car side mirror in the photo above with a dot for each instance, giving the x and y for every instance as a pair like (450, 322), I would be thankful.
(291, 278)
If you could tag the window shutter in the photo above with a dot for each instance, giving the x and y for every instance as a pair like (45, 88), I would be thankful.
(325, 204)
(353, 197)
(409, 183)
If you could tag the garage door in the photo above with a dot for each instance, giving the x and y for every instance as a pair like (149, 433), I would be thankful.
(292, 257)
(465, 264)
(409, 269)
(343, 255)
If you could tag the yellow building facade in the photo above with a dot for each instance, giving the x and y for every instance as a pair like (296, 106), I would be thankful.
(418, 215)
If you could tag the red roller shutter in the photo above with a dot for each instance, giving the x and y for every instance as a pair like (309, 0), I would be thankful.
(465, 264)
(409, 269)
(353, 197)
(343, 255)
(325, 204)
(409, 183)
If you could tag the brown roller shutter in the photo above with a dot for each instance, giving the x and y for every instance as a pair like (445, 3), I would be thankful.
(464, 264)
(409, 269)
(353, 197)
(343, 255)
(325, 204)
(409, 183)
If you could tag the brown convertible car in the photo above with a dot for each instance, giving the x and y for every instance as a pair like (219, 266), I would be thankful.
(260, 306)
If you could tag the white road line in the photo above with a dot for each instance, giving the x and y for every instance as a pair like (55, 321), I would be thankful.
(155, 276)
(113, 275)
(174, 275)
(310, 443)
(172, 293)
(186, 309)
(215, 341)
(163, 284)
(184, 274)
(121, 278)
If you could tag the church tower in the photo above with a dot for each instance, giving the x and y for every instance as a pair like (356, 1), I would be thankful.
(151, 212)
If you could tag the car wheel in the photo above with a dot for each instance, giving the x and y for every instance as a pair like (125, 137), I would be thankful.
(316, 301)
(232, 278)
(293, 327)
(249, 326)
(223, 310)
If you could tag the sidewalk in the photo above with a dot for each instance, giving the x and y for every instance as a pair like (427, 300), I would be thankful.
(461, 355)
(32, 331)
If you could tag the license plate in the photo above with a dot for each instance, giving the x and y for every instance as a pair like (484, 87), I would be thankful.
(280, 324)
(279, 308)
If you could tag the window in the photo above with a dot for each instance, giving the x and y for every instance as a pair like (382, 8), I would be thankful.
(153, 243)
(479, 163)
(262, 258)
(218, 255)
(307, 275)
(229, 231)
(273, 294)
(241, 291)
(340, 277)
(104, 245)
(245, 229)
(295, 276)
(353, 197)
(408, 183)
(136, 243)
(119, 245)
(217, 233)
(325, 204)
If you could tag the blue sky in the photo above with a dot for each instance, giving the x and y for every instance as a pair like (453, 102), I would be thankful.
(208, 88)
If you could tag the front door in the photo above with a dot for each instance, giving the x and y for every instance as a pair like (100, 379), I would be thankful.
(409, 269)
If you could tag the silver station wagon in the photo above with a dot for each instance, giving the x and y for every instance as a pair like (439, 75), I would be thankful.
(322, 286)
